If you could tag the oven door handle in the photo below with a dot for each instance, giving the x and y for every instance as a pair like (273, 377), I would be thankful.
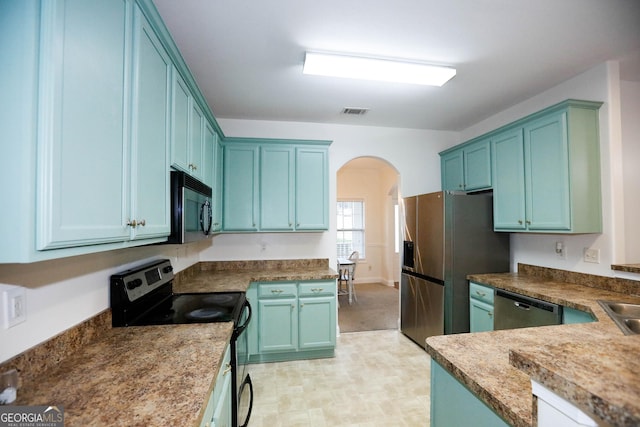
(247, 382)
(240, 329)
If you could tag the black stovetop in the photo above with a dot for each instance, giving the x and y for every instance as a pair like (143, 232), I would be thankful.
(144, 296)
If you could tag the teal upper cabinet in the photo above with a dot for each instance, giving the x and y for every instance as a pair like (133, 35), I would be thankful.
(189, 132)
(508, 173)
(312, 188)
(82, 187)
(150, 207)
(181, 100)
(124, 195)
(547, 172)
(216, 185)
(95, 98)
(240, 187)
(467, 167)
(275, 185)
(197, 142)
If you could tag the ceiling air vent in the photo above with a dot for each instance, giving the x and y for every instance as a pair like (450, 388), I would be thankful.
(354, 111)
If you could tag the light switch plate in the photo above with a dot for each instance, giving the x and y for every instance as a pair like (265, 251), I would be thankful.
(592, 255)
(14, 305)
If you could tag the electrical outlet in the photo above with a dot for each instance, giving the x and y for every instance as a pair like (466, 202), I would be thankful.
(592, 255)
(561, 250)
(14, 305)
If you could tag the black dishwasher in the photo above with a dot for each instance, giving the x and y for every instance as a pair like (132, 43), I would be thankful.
(518, 311)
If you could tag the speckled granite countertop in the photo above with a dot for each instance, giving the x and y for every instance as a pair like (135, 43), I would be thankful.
(629, 268)
(137, 376)
(592, 365)
(238, 275)
(143, 376)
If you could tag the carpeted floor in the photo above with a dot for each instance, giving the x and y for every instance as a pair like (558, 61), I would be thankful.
(376, 309)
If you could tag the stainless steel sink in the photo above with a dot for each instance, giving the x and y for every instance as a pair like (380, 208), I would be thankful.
(625, 315)
(633, 324)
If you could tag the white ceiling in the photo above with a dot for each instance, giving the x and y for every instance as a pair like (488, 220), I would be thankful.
(247, 55)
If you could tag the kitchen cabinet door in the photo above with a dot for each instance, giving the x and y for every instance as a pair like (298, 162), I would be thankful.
(317, 317)
(218, 409)
(509, 210)
(312, 188)
(82, 189)
(453, 404)
(208, 155)
(150, 180)
(480, 316)
(216, 186)
(278, 325)
(276, 187)
(196, 139)
(181, 100)
(546, 159)
(452, 171)
(240, 200)
(477, 166)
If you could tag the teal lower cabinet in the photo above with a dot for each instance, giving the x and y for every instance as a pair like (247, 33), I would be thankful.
(453, 404)
(480, 307)
(292, 320)
(571, 315)
(218, 411)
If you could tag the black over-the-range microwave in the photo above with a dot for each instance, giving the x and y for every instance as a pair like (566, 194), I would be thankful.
(191, 211)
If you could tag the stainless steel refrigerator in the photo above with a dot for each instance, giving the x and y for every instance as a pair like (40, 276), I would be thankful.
(447, 236)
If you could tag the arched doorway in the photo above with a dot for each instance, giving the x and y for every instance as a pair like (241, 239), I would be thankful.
(368, 221)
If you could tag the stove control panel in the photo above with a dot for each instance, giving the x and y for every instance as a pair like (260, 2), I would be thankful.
(140, 281)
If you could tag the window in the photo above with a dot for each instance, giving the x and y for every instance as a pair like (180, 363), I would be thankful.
(350, 228)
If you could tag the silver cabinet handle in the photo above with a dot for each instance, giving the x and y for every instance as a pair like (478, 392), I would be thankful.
(132, 223)
(482, 294)
(227, 369)
(276, 291)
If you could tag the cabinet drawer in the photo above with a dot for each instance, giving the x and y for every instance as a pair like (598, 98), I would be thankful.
(317, 289)
(481, 292)
(277, 290)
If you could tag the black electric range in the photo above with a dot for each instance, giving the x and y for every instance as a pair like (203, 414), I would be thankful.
(143, 296)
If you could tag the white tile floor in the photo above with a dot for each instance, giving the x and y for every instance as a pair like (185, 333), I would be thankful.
(378, 378)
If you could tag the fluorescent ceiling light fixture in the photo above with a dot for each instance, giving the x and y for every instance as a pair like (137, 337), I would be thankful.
(385, 70)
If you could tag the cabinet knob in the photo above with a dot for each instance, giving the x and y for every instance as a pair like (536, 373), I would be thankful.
(490, 314)
(481, 293)
(227, 369)
(132, 223)
(520, 221)
(528, 222)
(301, 305)
(143, 222)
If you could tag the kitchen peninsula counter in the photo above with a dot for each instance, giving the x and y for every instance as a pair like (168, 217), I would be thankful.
(591, 365)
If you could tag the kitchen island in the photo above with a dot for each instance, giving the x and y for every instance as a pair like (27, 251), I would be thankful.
(591, 365)
(150, 375)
